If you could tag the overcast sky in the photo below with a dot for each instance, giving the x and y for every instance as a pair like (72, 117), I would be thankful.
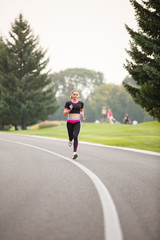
(77, 33)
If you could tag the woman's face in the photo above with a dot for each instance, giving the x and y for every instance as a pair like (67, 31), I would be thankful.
(75, 96)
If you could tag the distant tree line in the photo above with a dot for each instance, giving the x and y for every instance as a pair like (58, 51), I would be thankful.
(95, 93)
(81, 79)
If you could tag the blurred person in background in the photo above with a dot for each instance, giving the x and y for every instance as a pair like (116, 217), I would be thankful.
(104, 114)
(110, 116)
(126, 119)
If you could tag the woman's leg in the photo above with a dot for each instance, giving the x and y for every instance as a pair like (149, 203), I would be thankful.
(110, 120)
(70, 128)
(77, 127)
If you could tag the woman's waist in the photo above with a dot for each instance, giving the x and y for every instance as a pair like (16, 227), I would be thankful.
(74, 116)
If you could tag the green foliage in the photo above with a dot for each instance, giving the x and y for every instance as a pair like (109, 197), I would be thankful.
(81, 79)
(100, 94)
(26, 90)
(145, 54)
(117, 99)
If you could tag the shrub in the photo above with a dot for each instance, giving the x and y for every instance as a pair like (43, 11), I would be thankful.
(5, 127)
(46, 124)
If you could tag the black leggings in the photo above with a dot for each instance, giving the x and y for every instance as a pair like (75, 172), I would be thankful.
(73, 132)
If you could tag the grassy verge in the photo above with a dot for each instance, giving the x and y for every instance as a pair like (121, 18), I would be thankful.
(144, 136)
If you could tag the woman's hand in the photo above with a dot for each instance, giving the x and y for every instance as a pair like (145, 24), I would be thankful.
(71, 107)
(66, 111)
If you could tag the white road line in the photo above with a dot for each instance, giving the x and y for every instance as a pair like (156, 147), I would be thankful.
(112, 228)
(94, 144)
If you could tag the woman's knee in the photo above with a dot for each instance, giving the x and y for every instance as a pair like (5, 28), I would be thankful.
(75, 138)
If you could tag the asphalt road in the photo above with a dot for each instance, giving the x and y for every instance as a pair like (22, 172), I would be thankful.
(45, 195)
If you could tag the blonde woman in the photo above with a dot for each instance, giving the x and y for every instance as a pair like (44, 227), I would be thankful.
(110, 116)
(74, 110)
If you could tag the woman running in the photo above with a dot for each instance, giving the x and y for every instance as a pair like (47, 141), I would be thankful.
(74, 109)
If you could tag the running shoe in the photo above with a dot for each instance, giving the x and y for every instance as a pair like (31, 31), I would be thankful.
(70, 143)
(75, 155)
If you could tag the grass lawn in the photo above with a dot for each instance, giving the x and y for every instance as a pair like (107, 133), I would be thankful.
(144, 136)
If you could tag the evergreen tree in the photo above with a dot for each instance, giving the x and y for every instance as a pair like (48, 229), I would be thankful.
(3, 66)
(145, 54)
(26, 90)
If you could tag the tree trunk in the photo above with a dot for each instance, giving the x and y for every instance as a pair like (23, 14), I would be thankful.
(24, 126)
(16, 127)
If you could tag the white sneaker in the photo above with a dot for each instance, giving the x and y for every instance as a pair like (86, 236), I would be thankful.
(75, 155)
(70, 143)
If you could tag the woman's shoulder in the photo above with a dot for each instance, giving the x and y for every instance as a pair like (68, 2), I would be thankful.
(68, 102)
(80, 102)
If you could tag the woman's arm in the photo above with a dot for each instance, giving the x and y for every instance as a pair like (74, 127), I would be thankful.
(66, 111)
(82, 114)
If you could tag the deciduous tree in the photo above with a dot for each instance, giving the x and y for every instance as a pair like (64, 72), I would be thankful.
(84, 80)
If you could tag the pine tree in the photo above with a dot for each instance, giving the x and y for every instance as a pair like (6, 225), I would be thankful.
(3, 69)
(26, 90)
(145, 54)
